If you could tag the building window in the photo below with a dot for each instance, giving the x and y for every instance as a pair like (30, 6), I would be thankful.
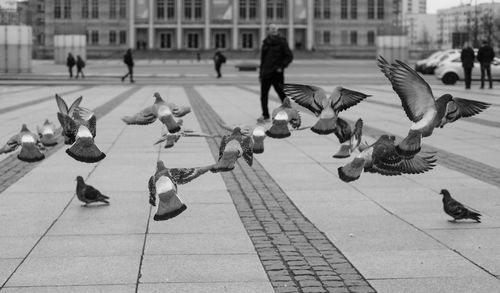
(94, 37)
(354, 9)
(344, 37)
(85, 9)
(371, 9)
(243, 9)
(112, 37)
(354, 37)
(57, 9)
(269, 10)
(220, 40)
(326, 9)
(95, 9)
(41, 39)
(67, 9)
(160, 9)
(275, 9)
(170, 9)
(198, 6)
(165, 40)
(380, 9)
(123, 37)
(192, 41)
(248, 9)
(112, 9)
(343, 9)
(280, 9)
(247, 41)
(123, 9)
(326, 37)
(317, 37)
(371, 38)
(317, 9)
(192, 9)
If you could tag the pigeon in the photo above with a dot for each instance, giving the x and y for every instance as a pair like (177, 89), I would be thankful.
(421, 107)
(65, 117)
(30, 146)
(326, 108)
(381, 157)
(231, 148)
(161, 110)
(457, 210)
(88, 194)
(354, 141)
(164, 185)
(257, 132)
(171, 138)
(281, 116)
(48, 133)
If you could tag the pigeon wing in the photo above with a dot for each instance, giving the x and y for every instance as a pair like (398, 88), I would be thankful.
(307, 96)
(69, 125)
(74, 105)
(185, 175)
(11, 144)
(61, 104)
(144, 117)
(467, 108)
(348, 98)
(418, 164)
(86, 117)
(247, 147)
(455, 209)
(415, 93)
(91, 193)
(225, 139)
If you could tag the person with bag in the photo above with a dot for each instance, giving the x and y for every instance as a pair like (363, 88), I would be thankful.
(80, 64)
(129, 61)
(70, 63)
(219, 59)
(467, 57)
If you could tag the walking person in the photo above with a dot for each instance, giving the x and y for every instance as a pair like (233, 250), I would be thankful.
(70, 63)
(275, 57)
(485, 56)
(219, 59)
(129, 61)
(80, 64)
(467, 58)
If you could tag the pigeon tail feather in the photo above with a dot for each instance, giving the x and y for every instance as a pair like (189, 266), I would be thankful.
(258, 145)
(171, 124)
(279, 129)
(30, 153)
(352, 171)
(48, 140)
(410, 145)
(324, 126)
(344, 152)
(170, 215)
(85, 150)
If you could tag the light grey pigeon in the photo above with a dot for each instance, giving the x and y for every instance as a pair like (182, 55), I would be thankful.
(381, 157)
(231, 148)
(457, 210)
(163, 184)
(325, 107)
(421, 107)
(353, 143)
(65, 117)
(88, 194)
(281, 117)
(30, 146)
(48, 133)
(171, 138)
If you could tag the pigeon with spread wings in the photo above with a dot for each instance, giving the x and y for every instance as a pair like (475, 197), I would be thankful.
(457, 210)
(65, 117)
(354, 141)
(421, 107)
(171, 138)
(84, 129)
(325, 107)
(30, 146)
(231, 148)
(381, 157)
(163, 184)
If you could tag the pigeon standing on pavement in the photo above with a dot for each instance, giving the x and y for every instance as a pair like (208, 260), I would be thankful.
(163, 184)
(457, 210)
(65, 117)
(231, 148)
(281, 116)
(48, 133)
(160, 110)
(421, 107)
(325, 107)
(88, 194)
(30, 146)
(354, 141)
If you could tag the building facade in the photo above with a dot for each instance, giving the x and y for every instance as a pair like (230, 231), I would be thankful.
(342, 27)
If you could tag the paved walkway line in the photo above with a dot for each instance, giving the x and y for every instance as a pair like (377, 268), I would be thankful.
(296, 256)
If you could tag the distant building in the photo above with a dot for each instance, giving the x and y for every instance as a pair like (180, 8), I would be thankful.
(414, 6)
(344, 28)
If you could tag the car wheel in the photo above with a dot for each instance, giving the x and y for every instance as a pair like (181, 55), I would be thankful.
(450, 78)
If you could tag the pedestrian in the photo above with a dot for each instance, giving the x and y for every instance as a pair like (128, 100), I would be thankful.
(485, 56)
(80, 64)
(129, 61)
(467, 58)
(219, 59)
(275, 57)
(70, 63)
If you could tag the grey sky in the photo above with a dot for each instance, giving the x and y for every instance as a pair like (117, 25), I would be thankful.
(434, 5)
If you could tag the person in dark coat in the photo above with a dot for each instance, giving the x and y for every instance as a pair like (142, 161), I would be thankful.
(129, 61)
(485, 56)
(275, 57)
(70, 63)
(467, 58)
(219, 59)
(80, 64)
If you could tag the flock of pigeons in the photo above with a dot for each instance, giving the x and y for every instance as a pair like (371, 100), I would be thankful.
(384, 156)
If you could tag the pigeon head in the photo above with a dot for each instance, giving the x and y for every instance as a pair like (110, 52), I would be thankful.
(237, 130)
(79, 178)
(157, 97)
(160, 165)
(286, 102)
(46, 122)
(24, 128)
(445, 192)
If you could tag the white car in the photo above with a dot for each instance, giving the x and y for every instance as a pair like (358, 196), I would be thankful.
(450, 70)
(429, 64)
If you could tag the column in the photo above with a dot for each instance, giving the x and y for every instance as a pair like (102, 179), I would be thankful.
(206, 31)
(151, 31)
(263, 18)
(131, 24)
(310, 27)
(235, 24)
(178, 29)
(291, 30)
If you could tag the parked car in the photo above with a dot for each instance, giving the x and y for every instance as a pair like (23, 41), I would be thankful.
(450, 70)
(429, 64)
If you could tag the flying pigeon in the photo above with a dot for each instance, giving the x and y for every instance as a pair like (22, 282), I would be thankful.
(30, 146)
(325, 107)
(48, 133)
(457, 210)
(231, 148)
(421, 107)
(65, 117)
(257, 132)
(88, 194)
(281, 116)
(164, 185)
(354, 141)
(171, 138)
(161, 110)
(381, 157)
